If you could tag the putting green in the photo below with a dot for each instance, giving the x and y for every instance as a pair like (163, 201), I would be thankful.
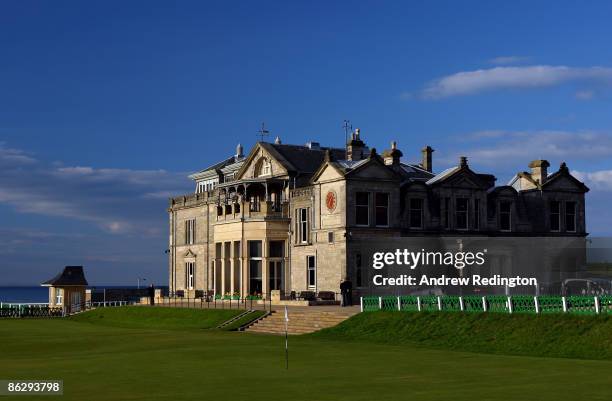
(105, 362)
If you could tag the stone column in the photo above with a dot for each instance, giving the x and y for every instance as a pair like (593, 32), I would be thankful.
(264, 269)
(222, 261)
(244, 262)
(232, 267)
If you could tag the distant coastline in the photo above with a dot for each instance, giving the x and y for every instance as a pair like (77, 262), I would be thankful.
(38, 294)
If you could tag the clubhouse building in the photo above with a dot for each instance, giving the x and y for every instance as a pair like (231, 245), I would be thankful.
(293, 218)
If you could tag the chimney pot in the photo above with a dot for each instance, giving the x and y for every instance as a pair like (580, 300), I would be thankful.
(539, 170)
(427, 162)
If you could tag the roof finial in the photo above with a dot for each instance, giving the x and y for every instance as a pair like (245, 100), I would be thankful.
(263, 131)
(463, 161)
(277, 141)
(239, 151)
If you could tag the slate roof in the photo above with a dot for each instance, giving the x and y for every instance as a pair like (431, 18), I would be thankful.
(301, 158)
(446, 173)
(71, 275)
(216, 167)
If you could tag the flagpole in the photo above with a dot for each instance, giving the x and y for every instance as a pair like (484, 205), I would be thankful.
(286, 339)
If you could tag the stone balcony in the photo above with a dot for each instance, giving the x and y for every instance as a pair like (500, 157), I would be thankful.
(265, 210)
(190, 200)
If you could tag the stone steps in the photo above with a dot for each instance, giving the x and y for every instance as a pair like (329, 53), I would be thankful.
(300, 321)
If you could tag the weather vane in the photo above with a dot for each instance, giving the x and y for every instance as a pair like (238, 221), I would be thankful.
(263, 132)
(348, 127)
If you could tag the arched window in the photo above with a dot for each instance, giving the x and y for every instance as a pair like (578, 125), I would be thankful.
(263, 167)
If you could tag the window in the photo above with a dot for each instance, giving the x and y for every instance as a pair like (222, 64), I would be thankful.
(446, 213)
(277, 249)
(302, 230)
(263, 167)
(311, 273)
(382, 209)
(255, 249)
(358, 270)
(505, 216)
(330, 237)
(190, 275)
(362, 209)
(476, 214)
(190, 232)
(555, 216)
(254, 205)
(415, 213)
(570, 216)
(59, 296)
(461, 213)
(255, 270)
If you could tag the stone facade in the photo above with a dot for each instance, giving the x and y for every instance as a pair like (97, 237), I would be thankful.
(292, 218)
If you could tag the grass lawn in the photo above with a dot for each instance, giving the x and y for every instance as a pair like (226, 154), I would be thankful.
(109, 362)
(157, 318)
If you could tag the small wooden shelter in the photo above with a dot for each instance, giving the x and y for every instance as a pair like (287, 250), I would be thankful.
(67, 289)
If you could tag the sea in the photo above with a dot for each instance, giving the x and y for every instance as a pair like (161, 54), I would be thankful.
(38, 294)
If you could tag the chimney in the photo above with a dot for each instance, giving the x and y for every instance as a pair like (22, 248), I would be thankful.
(313, 145)
(239, 152)
(427, 160)
(392, 156)
(355, 147)
(539, 170)
(463, 162)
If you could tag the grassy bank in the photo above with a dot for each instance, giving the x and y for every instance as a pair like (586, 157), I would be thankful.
(569, 336)
(244, 320)
(98, 362)
(143, 317)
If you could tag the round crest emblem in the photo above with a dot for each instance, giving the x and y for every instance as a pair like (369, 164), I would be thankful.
(330, 200)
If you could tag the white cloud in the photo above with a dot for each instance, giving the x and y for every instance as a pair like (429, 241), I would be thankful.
(514, 149)
(538, 76)
(118, 201)
(601, 180)
(585, 95)
(505, 60)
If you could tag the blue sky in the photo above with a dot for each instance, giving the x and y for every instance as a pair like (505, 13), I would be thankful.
(106, 106)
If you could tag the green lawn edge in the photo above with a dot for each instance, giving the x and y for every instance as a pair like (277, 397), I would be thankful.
(561, 336)
(244, 320)
(164, 318)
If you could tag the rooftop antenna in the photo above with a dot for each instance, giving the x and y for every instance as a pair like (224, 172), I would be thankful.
(348, 127)
(263, 132)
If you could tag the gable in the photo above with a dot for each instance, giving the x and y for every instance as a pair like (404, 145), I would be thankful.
(258, 159)
(327, 173)
(564, 183)
(463, 178)
(373, 171)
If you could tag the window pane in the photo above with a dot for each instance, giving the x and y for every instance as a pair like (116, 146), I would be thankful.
(555, 215)
(461, 214)
(362, 198)
(255, 249)
(277, 249)
(382, 209)
(362, 208)
(505, 216)
(570, 216)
